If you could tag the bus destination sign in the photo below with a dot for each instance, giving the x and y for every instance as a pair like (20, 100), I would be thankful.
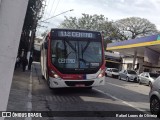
(76, 34)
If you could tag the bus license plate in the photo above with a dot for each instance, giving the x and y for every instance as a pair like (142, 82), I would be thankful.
(80, 85)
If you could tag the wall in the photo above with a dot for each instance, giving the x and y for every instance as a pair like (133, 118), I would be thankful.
(12, 14)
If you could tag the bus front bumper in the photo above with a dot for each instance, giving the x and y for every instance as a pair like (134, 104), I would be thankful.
(61, 83)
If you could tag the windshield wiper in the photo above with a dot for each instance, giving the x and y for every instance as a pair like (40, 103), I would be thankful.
(72, 47)
(70, 44)
(83, 50)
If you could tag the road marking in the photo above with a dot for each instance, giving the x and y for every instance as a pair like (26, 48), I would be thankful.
(29, 103)
(124, 102)
(115, 85)
(128, 88)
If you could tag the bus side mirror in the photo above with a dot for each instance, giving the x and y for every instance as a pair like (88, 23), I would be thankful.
(46, 45)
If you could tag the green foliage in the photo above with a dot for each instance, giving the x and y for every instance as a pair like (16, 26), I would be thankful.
(133, 27)
(44, 33)
(29, 18)
(87, 22)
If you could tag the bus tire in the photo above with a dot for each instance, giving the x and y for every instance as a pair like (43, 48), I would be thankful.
(48, 81)
(49, 84)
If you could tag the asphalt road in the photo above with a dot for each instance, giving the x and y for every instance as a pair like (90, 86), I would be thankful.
(115, 97)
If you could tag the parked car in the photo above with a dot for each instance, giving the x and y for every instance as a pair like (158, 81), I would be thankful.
(154, 96)
(112, 72)
(128, 75)
(147, 78)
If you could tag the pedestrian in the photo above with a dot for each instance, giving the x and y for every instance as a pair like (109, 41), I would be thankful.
(30, 63)
(17, 62)
(24, 63)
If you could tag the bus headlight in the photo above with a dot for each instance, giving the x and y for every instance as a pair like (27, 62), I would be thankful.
(54, 74)
(101, 74)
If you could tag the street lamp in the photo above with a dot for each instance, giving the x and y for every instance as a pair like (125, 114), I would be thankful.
(56, 15)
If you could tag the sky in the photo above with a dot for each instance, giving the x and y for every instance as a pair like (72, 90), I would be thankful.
(111, 9)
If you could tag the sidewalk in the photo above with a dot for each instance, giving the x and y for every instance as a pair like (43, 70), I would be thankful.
(18, 97)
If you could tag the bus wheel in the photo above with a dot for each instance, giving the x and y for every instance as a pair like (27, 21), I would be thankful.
(49, 84)
(48, 81)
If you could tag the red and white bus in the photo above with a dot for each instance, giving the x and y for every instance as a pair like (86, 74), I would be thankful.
(73, 58)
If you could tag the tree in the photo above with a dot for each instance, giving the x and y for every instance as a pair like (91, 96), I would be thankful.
(33, 13)
(87, 22)
(133, 27)
(44, 33)
(27, 27)
(92, 22)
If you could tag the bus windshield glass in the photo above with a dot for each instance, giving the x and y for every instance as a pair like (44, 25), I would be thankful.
(76, 54)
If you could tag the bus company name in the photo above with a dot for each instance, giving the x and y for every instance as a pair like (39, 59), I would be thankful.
(76, 34)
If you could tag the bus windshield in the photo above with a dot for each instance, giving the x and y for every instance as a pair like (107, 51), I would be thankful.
(76, 54)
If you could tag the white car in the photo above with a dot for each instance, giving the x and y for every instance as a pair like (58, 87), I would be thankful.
(147, 78)
(154, 95)
(112, 72)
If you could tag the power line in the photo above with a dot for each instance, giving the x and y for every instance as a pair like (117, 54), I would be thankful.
(46, 8)
(51, 8)
(56, 15)
(56, 7)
